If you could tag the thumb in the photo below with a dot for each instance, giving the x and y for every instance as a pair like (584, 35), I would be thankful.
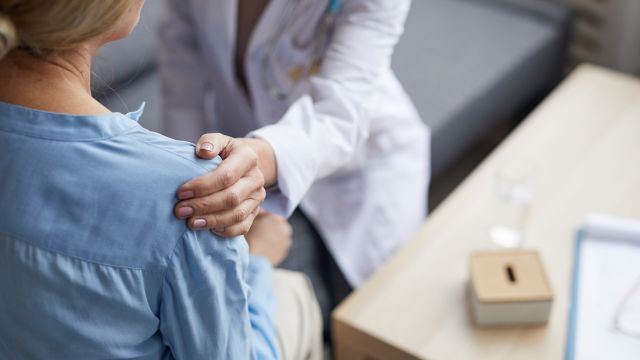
(210, 145)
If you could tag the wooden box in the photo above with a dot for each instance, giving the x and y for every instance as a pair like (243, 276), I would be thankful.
(509, 288)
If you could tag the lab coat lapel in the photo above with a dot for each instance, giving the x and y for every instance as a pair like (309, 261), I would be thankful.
(267, 24)
(220, 18)
(226, 12)
(223, 47)
(217, 20)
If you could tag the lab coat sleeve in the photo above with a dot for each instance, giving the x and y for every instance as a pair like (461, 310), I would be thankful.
(181, 70)
(321, 130)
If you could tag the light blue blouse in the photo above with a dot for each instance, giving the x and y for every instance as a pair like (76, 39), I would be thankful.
(93, 264)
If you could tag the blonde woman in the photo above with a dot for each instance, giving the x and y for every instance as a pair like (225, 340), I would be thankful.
(93, 263)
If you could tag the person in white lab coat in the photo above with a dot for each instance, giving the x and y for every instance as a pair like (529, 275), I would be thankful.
(307, 85)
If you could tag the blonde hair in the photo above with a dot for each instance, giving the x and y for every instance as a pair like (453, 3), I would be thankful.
(47, 26)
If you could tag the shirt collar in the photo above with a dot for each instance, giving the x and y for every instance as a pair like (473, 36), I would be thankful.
(65, 127)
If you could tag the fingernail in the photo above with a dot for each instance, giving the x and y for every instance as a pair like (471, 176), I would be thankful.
(220, 230)
(199, 223)
(206, 146)
(185, 212)
(184, 195)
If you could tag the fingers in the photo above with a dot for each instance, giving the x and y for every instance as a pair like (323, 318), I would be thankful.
(271, 217)
(287, 231)
(226, 221)
(210, 145)
(240, 160)
(239, 228)
(230, 198)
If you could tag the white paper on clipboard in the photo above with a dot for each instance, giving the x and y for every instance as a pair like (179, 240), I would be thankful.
(605, 298)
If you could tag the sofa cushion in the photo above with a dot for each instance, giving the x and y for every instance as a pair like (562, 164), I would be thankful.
(120, 61)
(145, 88)
(469, 64)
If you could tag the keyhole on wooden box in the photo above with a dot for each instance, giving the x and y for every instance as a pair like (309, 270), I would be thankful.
(511, 273)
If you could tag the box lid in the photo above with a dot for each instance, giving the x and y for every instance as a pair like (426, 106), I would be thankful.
(509, 276)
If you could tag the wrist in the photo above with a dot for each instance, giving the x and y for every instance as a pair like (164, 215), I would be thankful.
(261, 259)
(266, 160)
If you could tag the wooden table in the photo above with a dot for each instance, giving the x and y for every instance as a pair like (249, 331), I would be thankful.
(585, 140)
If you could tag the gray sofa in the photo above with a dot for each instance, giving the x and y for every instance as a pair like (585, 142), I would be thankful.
(467, 64)
(124, 73)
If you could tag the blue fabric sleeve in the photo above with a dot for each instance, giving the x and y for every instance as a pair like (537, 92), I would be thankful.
(207, 310)
(262, 307)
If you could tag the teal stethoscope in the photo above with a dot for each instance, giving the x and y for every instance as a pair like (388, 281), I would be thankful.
(318, 44)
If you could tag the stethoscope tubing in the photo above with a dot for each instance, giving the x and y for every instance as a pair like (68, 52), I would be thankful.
(334, 6)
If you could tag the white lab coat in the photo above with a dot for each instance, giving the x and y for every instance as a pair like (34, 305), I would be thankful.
(350, 147)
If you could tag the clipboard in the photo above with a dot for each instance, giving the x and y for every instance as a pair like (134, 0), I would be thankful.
(606, 269)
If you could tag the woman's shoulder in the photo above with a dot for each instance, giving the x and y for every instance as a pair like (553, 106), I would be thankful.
(176, 152)
(134, 178)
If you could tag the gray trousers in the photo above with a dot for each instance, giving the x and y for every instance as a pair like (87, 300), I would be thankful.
(309, 255)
